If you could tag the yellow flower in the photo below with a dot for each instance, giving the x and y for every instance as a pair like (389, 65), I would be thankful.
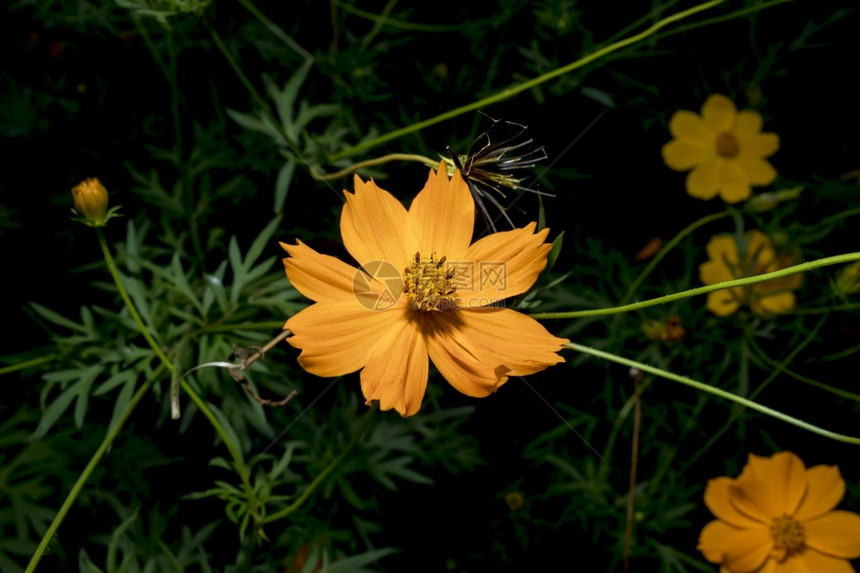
(777, 517)
(91, 199)
(421, 290)
(764, 299)
(724, 148)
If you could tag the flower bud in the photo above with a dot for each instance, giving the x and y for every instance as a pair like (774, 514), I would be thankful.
(91, 199)
(847, 280)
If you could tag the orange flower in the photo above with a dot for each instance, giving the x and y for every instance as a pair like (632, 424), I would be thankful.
(778, 517)
(724, 148)
(764, 299)
(421, 290)
(91, 199)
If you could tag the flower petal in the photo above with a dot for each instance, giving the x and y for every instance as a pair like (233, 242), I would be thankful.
(773, 304)
(689, 127)
(784, 476)
(719, 113)
(715, 271)
(747, 122)
(737, 549)
(757, 171)
(374, 226)
(723, 248)
(757, 145)
(318, 277)
(811, 561)
(476, 350)
(681, 155)
(723, 302)
(500, 265)
(443, 215)
(836, 533)
(717, 498)
(825, 488)
(397, 368)
(704, 180)
(734, 185)
(329, 350)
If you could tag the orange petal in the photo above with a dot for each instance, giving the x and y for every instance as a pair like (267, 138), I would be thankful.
(747, 122)
(719, 113)
(374, 226)
(735, 548)
(825, 488)
(757, 170)
(704, 180)
(318, 277)
(757, 145)
(717, 498)
(329, 350)
(681, 155)
(723, 302)
(443, 215)
(397, 368)
(476, 350)
(689, 127)
(785, 477)
(811, 561)
(500, 265)
(836, 533)
(734, 185)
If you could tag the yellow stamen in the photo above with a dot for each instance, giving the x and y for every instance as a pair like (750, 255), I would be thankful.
(727, 145)
(788, 536)
(429, 284)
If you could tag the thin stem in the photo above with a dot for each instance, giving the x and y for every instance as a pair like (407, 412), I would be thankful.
(125, 298)
(274, 29)
(371, 162)
(91, 466)
(803, 267)
(28, 363)
(634, 462)
(264, 325)
(362, 427)
(524, 86)
(716, 392)
(258, 100)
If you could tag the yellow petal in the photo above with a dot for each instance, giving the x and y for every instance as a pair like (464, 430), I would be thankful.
(757, 171)
(735, 548)
(681, 155)
(773, 304)
(719, 113)
(757, 145)
(836, 533)
(500, 265)
(689, 127)
(811, 561)
(318, 277)
(336, 337)
(825, 488)
(747, 122)
(443, 215)
(723, 302)
(704, 180)
(397, 368)
(717, 499)
(734, 185)
(715, 271)
(476, 350)
(784, 476)
(723, 248)
(374, 226)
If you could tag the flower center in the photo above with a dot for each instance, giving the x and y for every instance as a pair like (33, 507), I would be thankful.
(727, 145)
(429, 284)
(787, 535)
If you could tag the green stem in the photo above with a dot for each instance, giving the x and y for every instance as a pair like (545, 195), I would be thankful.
(371, 162)
(28, 364)
(237, 458)
(716, 392)
(803, 267)
(524, 86)
(362, 427)
(274, 29)
(91, 466)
